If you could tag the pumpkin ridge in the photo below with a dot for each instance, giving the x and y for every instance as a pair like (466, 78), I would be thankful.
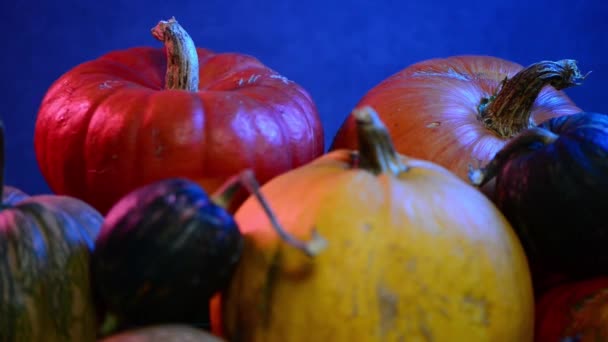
(280, 122)
(92, 162)
(52, 288)
(48, 162)
(315, 144)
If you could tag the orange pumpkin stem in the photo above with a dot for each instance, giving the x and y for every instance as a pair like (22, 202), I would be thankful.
(182, 59)
(247, 180)
(534, 135)
(377, 153)
(508, 112)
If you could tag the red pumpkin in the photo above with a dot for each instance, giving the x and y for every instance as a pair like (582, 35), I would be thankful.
(461, 110)
(119, 122)
(574, 312)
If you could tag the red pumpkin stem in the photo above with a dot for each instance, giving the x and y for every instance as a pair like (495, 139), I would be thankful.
(522, 142)
(508, 112)
(182, 59)
(247, 180)
(377, 153)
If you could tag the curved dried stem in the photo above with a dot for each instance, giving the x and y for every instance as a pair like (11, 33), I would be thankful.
(247, 180)
(508, 112)
(182, 59)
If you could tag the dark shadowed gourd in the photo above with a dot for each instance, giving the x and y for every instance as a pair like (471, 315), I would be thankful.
(552, 185)
(165, 249)
(45, 245)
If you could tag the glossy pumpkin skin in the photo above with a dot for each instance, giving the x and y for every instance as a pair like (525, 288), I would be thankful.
(163, 333)
(431, 110)
(45, 247)
(163, 251)
(578, 311)
(554, 194)
(417, 255)
(108, 126)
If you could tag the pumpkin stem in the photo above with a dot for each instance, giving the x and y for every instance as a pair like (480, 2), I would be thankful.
(230, 195)
(182, 59)
(247, 180)
(508, 111)
(376, 153)
(521, 143)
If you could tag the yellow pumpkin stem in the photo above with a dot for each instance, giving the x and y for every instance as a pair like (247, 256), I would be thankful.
(377, 153)
(507, 113)
(247, 180)
(182, 59)
(480, 176)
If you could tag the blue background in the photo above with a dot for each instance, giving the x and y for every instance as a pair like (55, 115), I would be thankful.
(337, 50)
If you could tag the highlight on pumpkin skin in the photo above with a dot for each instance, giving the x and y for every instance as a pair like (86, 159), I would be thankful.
(247, 180)
(535, 135)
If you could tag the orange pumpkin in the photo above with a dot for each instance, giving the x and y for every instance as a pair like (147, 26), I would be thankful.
(461, 110)
(400, 249)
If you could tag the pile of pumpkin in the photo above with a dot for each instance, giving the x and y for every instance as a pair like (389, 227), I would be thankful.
(464, 199)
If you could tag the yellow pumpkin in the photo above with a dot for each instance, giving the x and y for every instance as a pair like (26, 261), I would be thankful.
(411, 253)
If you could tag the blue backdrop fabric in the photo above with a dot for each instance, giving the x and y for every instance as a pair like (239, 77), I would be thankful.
(337, 50)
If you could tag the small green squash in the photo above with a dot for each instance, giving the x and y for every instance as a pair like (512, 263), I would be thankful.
(45, 244)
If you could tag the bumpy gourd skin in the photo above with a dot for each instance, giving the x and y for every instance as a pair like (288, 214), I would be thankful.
(45, 245)
(162, 253)
(556, 195)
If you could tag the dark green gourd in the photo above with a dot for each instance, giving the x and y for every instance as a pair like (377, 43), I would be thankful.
(45, 246)
(165, 249)
(552, 184)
